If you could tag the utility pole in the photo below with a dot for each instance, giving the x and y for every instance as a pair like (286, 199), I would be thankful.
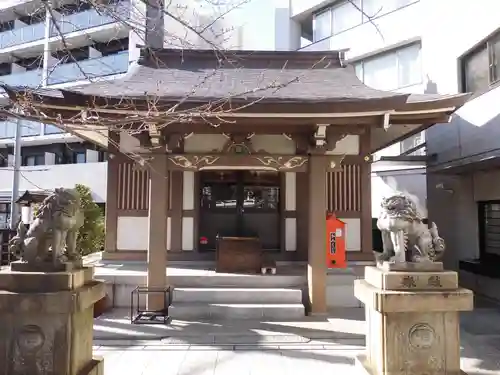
(46, 47)
(14, 209)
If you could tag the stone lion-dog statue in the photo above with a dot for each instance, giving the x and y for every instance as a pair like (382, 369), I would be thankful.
(53, 230)
(404, 235)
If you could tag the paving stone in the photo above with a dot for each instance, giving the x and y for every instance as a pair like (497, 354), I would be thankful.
(274, 349)
(301, 347)
(256, 347)
(180, 348)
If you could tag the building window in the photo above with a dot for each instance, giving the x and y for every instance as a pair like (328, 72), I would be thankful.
(103, 156)
(51, 129)
(412, 142)
(392, 70)
(7, 129)
(481, 66)
(4, 215)
(489, 229)
(28, 128)
(79, 157)
(32, 160)
(322, 25)
(348, 14)
(378, 8)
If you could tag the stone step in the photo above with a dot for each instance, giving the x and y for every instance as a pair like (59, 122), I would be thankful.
(191, 310)
(238, 295)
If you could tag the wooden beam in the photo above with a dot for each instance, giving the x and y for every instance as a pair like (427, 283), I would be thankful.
(154, 135)
(271, 162)
(438, 118)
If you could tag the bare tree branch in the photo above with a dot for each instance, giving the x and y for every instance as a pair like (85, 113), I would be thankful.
(133, 121)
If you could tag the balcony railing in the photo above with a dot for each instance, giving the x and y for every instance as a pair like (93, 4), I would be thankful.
(30, 78)
(88, 69)
(26, 34)
(67, 24)
(92, 18)
(28, 128)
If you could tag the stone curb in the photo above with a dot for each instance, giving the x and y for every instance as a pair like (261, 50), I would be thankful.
(237, 347)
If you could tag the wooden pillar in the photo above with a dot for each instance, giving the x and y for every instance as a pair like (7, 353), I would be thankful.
(112, 187)
(366, 195)
(316, 264)
(157, 236)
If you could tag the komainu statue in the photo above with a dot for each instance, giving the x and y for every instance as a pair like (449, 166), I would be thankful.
(53, 230)
(404, 236)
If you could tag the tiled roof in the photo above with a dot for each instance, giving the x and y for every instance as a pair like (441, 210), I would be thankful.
(302, 77)
(200, 76)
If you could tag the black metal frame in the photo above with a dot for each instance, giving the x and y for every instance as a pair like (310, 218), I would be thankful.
(149, 316)
(6, 257)
(484, 255)
(238, 210)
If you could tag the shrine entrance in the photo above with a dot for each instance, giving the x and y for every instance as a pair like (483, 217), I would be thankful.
(240, 203)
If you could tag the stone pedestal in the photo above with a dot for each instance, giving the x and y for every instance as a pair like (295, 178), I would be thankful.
(46, 322)
(412, 318)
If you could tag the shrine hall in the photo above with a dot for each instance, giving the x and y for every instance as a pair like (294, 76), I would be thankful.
(236, 158)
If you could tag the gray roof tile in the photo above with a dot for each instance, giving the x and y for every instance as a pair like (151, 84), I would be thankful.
(290, 76)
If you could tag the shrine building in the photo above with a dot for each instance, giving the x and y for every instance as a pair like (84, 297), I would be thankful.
(237, 157)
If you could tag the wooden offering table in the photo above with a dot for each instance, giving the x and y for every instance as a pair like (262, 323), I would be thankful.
(239, 254)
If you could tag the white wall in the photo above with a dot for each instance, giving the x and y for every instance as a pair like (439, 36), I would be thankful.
(93, 175)
(450, 29)
(352, 233)
(388, 180)
(217, 19)
(291, 206)
(188, 199)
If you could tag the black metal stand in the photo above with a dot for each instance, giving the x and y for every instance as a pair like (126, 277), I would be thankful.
(140, 316)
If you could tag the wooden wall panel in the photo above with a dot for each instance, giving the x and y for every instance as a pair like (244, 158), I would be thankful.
(133, 188)
(344, 189)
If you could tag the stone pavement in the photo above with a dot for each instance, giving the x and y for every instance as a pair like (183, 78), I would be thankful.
(315, 345)
(217, 361)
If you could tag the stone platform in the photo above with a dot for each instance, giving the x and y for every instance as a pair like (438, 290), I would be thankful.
(47, 322)
(412, 321)
(123, 277)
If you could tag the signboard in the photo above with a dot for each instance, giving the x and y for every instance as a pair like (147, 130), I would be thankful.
(335, 242)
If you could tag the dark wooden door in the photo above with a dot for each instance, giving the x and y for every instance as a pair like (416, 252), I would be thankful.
(239, 204)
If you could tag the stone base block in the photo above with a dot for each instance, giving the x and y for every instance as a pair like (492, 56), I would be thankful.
(414, 280)
(96, 367)
(20, 266)
(363, 368)
(395, 301)
(413, 267)
(44, 330)
(18, 281)
(413, 324)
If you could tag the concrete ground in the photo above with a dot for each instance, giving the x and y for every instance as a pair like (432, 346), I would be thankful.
(315, 345)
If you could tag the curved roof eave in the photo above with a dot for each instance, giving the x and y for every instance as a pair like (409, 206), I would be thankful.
(433, 102)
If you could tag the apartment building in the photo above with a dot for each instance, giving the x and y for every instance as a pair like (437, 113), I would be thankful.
(80, 45)
(463, 173)
(74, 44)
(433, 47)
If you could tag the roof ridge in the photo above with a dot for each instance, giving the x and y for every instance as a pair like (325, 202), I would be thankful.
(165, 58)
